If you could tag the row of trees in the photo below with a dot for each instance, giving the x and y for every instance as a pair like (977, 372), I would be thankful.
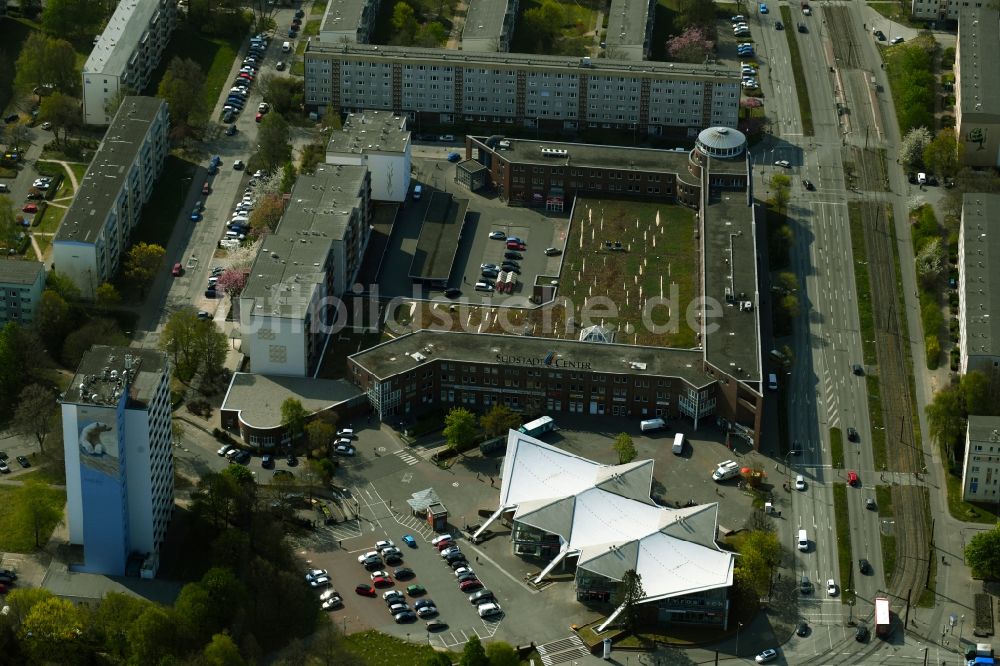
(938, 154)
(462, 428)
(411, 30)
(193, 344)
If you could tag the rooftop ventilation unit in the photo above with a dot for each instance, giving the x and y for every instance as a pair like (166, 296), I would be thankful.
(555, 152)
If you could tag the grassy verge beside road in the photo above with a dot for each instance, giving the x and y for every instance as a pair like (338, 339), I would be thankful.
(843, 540)
(863, 283)
(836, 448)
(378, 649)
(909, 67)
(801, 89)
(883, 496)
(877, 421)
(927, 595)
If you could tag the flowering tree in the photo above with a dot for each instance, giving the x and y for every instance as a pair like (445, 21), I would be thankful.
(267, 214)
(232, 281)
(242, 258)
(751, 102)
(692, 45)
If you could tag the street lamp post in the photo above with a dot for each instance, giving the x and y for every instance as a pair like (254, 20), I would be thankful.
(961, 626)
(739, 625)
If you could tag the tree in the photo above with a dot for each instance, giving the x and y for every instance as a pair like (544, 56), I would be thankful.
(438, 659)
(53, 319)
(431, 35)
(115, 101)
(36, 509)
(945, 418)
(284, 94)
(976, 398)
(233, 281)
(931, 262)
(142, 263)
(502, 654)
(98, 331)
(631, 594)
(114, 614)
(983, 554)
(692, 45)
(52, 632)
(293, 417)
(498, 420)
(473, 653)
(47, 61)
(941, 154)
(63, 112)
(193, 344)
(459, 428)
(221, 651)
(759, 554)
(267, 213)
(404, 23)
(35, 413)
(106, 295)
(911, 148)
(320, 434)
(273, 144)
(244, 256)
(181, 87)
(153, 636)
(781, 187)
(71, 18)
(695, 13)
(9, 226)
(625, 448)
(63, 285)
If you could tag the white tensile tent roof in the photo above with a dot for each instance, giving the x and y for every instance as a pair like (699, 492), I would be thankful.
(604, 514)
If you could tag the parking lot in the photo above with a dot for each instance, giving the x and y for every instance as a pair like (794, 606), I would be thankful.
(385, 473)
(537, 228)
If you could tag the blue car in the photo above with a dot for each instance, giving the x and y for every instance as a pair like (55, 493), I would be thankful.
(763, 8)
(195, 215)
(454, 157)
(409, 541)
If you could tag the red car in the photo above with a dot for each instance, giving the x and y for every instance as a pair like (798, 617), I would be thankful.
(259, 117)
(470, 585)
(206, 188)
(447, 543)
(365, 590)
(178, 270)
(382, 581)
(852, 478)
(30, 208)
(514, 245)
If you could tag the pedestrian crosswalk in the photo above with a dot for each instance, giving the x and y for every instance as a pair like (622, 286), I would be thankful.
(832, 399)
(407, 457)
(563, 650)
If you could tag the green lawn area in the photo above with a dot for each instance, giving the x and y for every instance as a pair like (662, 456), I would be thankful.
(575, 37)
(836, 448)
(311, 28)
(318, 7)
(801, 90)
(297, 68)
(967, 511)
(843, 540)
(877, 420)
(658, 261)
(160, 214)
(16, 534)
(79, 170)
(51, 219)
(883, 496)
(215, 55)
(897, 11)
(863, 283)
(378, 649)
(44, 242)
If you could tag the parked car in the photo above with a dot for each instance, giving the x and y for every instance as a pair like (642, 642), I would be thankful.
(447, 138)
(344, 450)
(416, 590)
(766, 656)
(409, 541)
(785, 164)
(322, 581)
(470, 585)
(480, 597)
(30, 208)
(365, 590)
(239, 165)
(23, 462)
(280, 65)
(393, 596)
(313, 574)
(206, 188)
(552, 251)
(454, 157)
(404, 573)
(177, 270)
(498, 235)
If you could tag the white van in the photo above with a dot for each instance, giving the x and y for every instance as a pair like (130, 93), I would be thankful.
(484, 286)
(726, 470)
(286, 47)
(652, 424)
(803, 541)
(772, 381)
(678, 447)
